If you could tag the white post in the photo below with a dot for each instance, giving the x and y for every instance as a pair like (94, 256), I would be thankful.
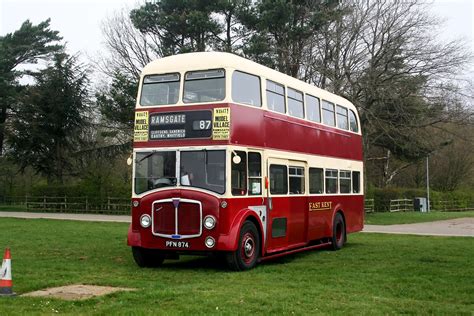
(427, 184)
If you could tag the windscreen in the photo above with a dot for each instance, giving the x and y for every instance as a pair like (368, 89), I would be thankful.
(154, 170)
(204, 169)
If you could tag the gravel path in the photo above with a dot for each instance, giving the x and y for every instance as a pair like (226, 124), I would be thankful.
(74, 217)
(452, 227)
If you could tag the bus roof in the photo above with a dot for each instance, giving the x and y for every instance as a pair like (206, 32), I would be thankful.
(212, 60)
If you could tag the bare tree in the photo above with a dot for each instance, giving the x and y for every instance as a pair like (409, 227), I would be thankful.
(382, 55)
(128, 50)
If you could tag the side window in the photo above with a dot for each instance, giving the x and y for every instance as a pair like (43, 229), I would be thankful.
(313, 111)
(353, 122)
(316, 181)
(355, 182)
(255, 173)
(295, 103)
(344, 181)
(328, 113)
(331, 181)
(204, 86)
(342, 120)
(278, 179)
(275, 96)
(246, 89)
(239, 174)
(296, 180)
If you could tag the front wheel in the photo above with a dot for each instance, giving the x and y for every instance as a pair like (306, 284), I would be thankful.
(338, 232)
(147, 258)
(248, 250)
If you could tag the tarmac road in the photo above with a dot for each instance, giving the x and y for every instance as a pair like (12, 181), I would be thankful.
(453, 227)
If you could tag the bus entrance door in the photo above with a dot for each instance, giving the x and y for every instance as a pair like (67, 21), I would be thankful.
(278, 205)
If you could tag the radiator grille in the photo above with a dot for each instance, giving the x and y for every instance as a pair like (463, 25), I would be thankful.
(177, 218)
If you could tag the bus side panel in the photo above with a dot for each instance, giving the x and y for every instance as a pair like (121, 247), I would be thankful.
(297, 219)
(322, 209)
(354, 213)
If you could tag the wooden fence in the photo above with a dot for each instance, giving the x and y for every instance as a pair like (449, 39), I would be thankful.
(452, 205)
(401, 205)
(114, 205)
(66, 204)
(369, 206)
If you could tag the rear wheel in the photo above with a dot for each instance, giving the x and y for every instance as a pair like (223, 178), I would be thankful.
(147, 258)
(248, 250)
(338, 232)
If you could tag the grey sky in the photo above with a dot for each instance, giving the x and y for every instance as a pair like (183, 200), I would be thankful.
(78, 21)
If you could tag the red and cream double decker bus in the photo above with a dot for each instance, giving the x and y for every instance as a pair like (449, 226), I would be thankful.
(233, 158)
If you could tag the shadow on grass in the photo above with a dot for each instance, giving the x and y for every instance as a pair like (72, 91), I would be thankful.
(218, 263)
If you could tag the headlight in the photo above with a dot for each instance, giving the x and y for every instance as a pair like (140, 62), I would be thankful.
(210, 242)
(145, 220)
(209, 222)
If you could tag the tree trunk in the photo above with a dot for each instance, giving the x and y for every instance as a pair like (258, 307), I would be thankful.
(3, 118)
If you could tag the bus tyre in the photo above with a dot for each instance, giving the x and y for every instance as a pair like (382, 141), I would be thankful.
(248, 250)
(338, 232)
(147, 258)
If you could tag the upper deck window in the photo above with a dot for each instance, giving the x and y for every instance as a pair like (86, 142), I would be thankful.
(275, 96)
(313, 111)
(246, 89)
(295, 103)
(160, 89)
(204, 86)
(328, 113)
(353, 122)
(342, 120)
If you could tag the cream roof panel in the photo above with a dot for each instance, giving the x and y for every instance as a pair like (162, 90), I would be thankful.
(212, 60)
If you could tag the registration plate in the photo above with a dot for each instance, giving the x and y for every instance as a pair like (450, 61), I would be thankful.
(177, 244)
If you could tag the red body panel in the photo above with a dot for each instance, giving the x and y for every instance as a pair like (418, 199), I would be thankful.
(254, 127)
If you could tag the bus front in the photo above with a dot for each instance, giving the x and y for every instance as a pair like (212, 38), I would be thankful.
(180, 155)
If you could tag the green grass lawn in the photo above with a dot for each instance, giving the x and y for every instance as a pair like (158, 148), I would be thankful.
(387, 218)
(373, 274)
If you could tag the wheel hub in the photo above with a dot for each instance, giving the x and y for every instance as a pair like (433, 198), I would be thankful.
(248, 246)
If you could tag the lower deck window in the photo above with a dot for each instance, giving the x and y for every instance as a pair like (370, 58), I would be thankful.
(344, 181)
(316, 181)
(355, 182)
(278, 179)
(331, 181)
(255, 173)
(296, 180)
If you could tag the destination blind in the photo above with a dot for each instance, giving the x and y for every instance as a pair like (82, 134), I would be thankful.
(177, 125)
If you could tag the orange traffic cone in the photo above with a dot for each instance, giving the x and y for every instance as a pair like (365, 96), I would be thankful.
(6, 284)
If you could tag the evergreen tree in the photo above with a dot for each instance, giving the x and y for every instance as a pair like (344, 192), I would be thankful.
(181, 25)
(280, 30)
(26, 45)
(117, 102)
(47, 125)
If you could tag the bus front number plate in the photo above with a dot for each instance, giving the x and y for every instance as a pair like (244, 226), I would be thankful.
(177, 244)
